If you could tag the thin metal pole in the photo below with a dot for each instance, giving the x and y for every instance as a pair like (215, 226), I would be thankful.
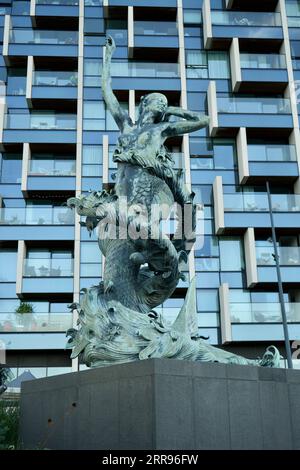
(283, 312)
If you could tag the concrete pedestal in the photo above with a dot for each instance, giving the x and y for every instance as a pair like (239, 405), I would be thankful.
(163, 404)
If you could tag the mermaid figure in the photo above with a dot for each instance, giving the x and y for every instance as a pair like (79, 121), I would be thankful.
(116, 319)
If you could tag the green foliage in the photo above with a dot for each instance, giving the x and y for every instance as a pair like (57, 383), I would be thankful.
(9, 424)
(25, 307)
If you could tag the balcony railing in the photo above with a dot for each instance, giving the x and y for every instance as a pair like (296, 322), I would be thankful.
(250, 202)
(271, 153)
(36, 215)
(4, 10)
(296, 64)
(40, 121)
(263, 61)
(47, 167)
(158, 28)
(48, 267)
(242, 18)
(35, 322)
(93, 3)
(57, 2)
(294, 21)
(50, 78)
(241, 105)
(144, 69)
(288, 255)
(258, 312)
(28, 36)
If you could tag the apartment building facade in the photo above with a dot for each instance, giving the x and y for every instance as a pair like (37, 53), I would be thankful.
(236, 60)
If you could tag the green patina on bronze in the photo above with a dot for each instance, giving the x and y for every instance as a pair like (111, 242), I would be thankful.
(116, 320)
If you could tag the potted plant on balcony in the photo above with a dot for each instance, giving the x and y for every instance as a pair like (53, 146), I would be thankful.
(25, 314)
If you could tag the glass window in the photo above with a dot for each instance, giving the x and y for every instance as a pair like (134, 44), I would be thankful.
(10, 168)
(92, 160)
(210, 319)
(93, 110)
(92, 67)
(224, 156)
(192, 16)
(16, 81)
(93, 115)
(196, 64)
(210, 248)
(207, 264)
(8, 305)
(208, 300)
(90, 259)
(89, 252)
(293, 8)
(94, 25)
(20, 7)
(90, 270)
(58, 307)
(203, 193)
(239, 296)
(92, 154)
(231, 253)
(8, 265)
(218, 65)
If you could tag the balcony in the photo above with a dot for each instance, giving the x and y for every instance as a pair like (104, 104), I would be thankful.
(152, 39)
(220, 27)
(47, 276)
(35, 322)
(36, 223)
(255, 113)
(289, 258)
(54, 85)
(137, 3)
(25, 42)
(40, 126)
(56, 8)
(258, 321)
(145, 75)
(246, 25)
(51, 174)
(275, 162)
(250, 209)
(259, 312)
(263, 72)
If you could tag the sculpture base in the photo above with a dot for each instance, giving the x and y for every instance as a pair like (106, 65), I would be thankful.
(163, 404)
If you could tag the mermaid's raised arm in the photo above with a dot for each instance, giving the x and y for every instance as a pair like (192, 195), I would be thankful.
(193, 121)
(120, 116)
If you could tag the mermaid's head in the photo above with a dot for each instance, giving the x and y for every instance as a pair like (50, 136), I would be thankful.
(152, 107)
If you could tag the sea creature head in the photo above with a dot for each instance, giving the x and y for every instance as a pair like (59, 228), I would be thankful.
(152, 107)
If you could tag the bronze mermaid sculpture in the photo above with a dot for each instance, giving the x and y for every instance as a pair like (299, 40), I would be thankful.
(116, 319)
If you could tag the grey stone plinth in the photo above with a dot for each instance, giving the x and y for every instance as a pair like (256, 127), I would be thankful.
(163, 404)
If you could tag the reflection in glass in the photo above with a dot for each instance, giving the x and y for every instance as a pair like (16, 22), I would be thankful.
(35, 322)
(272, 153)
(288, 255)
(36, 215)
(263, 312)
(253, 105)
(159, 28)
(243, 18)
(251, 202)
(52, 78)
